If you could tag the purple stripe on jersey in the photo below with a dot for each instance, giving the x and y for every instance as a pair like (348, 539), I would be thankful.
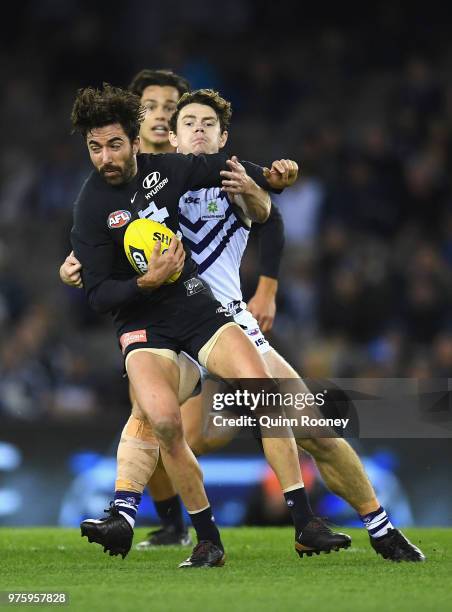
(202, 267)
(193, 227)
(198, 247)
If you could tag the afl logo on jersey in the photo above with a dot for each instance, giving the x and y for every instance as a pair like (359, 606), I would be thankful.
(119, 218)
(151, 180)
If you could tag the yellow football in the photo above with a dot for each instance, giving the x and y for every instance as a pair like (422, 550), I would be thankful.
(139, 241)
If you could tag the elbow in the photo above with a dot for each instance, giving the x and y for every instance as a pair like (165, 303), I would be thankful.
(262, 213)
(261, 216)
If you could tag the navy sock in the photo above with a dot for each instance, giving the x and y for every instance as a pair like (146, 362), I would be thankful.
(204, 524)
(170, 512)
(299, 507)
(127, 503)
(377, 523)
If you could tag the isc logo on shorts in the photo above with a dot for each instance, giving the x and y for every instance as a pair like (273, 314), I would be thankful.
(118, 219)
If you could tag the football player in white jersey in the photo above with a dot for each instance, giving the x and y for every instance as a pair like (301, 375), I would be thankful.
(217, 241)
(218, 259)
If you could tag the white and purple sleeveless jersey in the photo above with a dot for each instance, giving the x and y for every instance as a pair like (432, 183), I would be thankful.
(217, 237)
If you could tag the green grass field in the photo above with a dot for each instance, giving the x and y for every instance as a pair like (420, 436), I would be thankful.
(262, 573)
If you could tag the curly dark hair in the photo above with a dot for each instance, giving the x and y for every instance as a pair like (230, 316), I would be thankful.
(163, 78)
(209, 97)
(94, 108)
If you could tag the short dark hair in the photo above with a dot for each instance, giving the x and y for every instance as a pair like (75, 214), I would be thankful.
(209, 97)
(94, 108)
(163, 78)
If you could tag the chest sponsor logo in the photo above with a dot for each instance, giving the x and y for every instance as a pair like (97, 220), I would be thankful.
(151, 180)
(132, 337)
(154, 184)
(118, 219)
(194, 285)
(212, 209)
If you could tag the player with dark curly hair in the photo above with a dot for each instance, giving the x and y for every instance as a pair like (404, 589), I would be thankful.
(154, 322)
(93, 109)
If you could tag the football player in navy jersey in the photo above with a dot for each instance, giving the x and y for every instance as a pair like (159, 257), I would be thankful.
(155, 321)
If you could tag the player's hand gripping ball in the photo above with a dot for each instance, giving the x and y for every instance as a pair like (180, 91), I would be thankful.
(139, 242)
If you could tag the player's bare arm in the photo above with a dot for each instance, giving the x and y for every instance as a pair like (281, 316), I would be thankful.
(70, 271)
(263, 303)
(252, 199)
(270, 237)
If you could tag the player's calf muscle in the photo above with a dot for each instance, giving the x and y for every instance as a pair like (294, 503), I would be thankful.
(319, 448)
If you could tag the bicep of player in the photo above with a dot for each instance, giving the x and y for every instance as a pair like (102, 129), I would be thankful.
(270, 236)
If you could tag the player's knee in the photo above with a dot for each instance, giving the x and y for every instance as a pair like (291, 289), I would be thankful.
(319, 448)
(168, 430)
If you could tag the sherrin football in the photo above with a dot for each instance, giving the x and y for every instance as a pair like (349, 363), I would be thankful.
(139, 241)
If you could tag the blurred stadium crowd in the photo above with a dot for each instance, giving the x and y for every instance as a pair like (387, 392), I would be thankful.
(364, 107)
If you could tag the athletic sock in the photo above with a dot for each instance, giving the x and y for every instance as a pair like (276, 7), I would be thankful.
(127, 503)
(377, 523)
(299, 507)
(204, 524)
(170, 513)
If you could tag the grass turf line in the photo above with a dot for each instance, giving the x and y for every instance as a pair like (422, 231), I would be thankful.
(262, 573)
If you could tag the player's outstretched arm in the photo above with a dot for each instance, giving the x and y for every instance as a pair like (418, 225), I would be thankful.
(202, 171)
(283, 173)
(271, 244)
(252, 199)
(70, 271)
